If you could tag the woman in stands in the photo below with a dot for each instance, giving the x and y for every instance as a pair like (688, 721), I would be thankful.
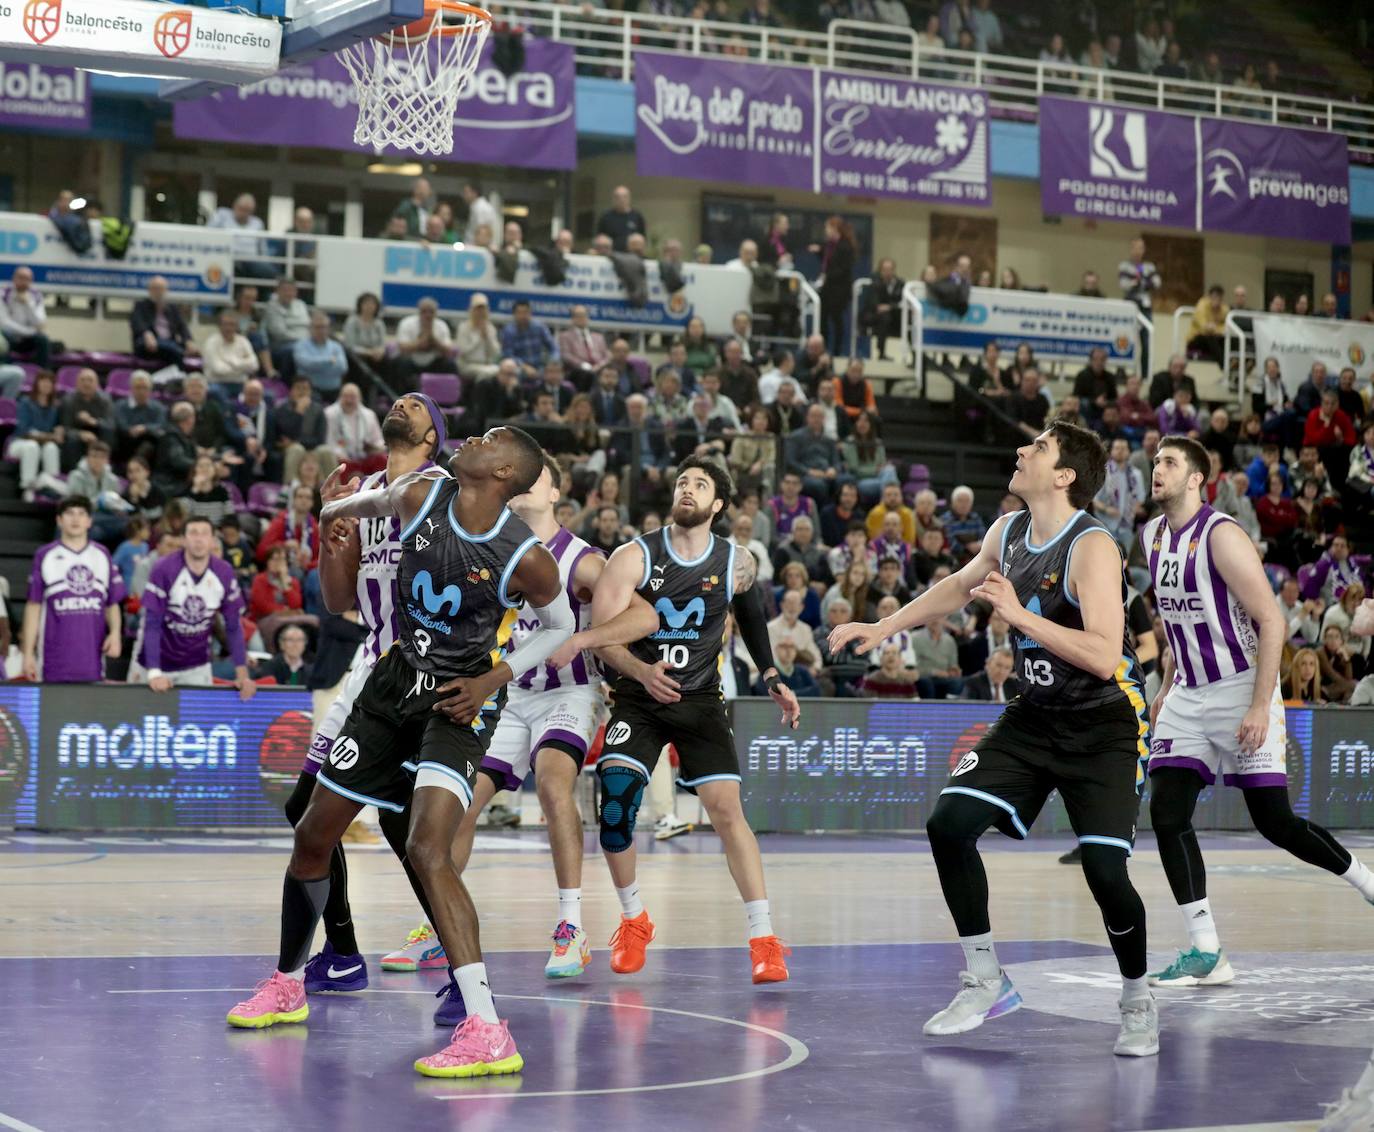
(37, 444)
(586, 455)
(1024, 360)
(1304, 683)
(774, 249)
(853, 587)
(836, 282)
(865, 457)
(364, 332)
(144, 495)
(701, 351)
(793, 576)
(754, 456)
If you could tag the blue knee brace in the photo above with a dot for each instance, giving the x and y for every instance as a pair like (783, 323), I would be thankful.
(622, 787)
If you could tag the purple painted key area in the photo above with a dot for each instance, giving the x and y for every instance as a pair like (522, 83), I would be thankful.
(141, 1044)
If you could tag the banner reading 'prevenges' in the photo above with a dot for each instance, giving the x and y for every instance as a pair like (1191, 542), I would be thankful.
(823, 131)
(1171, 170)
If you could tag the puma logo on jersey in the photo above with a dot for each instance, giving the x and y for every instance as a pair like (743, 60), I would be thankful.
(430, 523)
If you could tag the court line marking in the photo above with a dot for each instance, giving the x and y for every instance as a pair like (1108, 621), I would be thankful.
(797, 1050)
(17, 1124)
(61, 864)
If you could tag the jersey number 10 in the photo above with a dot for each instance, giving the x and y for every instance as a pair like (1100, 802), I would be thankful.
(674, 656)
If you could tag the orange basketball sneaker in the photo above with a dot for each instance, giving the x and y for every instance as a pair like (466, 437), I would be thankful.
(630, 942)
(768, 954)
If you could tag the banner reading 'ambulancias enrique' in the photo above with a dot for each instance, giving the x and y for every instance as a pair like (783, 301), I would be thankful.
(802, 128)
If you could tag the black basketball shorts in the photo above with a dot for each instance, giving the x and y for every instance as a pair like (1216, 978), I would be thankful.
(1092, 756)
(393, 740)
(697, 725)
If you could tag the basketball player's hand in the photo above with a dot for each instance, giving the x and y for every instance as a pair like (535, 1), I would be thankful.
(462, 698)
(869, 637)
(341, 532)
(246, 685)
(1253, 728)
(1155, 705)
(113, 645)
(659, 684)
(786, 699)
(1001, 595)
(335, 488)
(565, 653)
(160, 683)
(31, 668)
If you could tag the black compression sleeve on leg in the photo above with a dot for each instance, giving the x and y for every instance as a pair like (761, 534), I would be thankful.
(396, 828)
(1274, 818)
(752, 622)
(1174, 792)
(1123, 912)
(300, 798)
(302, 902)
(954, 828)
(338, 916)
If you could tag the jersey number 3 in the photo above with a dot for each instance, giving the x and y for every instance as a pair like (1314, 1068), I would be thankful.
(422, 642)
(1039, 672)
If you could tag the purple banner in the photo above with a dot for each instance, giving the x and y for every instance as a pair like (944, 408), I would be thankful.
(1172, 170)
(711, 120)
(45, 98)
(525, 119)
(1110, 163)
(894, 138)
(1274, 181)
(791, 127)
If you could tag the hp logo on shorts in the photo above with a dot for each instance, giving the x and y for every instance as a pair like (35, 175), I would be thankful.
(617, 734)
(344, 754)
(966, 764)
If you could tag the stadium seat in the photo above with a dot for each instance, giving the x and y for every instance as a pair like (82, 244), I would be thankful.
(30, 370)
(107, 360)
(445, 388)
(9, 412)
(66, 378)
(276, 390)
(1309, 585)
(117, 384)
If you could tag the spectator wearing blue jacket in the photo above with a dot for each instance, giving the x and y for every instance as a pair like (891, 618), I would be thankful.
(1258, 472)
(321, 358)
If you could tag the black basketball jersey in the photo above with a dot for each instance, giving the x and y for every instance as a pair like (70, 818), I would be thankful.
(692, 600)
(1041, 577)
(454, 604)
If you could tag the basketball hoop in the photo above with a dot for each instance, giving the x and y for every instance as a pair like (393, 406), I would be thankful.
(409, 79)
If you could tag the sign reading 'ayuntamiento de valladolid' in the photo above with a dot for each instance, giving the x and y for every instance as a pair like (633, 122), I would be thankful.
(817, 130)
(1152, 168)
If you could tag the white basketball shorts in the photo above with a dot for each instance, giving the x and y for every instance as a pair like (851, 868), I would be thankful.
(1197, 730)
(565, 719)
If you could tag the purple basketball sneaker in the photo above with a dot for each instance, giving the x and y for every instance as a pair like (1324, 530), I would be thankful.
(331, 972)
(451, 1011)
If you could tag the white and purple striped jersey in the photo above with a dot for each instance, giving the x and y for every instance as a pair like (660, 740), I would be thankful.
(1209, 631)
(567, 550)
(380, 541)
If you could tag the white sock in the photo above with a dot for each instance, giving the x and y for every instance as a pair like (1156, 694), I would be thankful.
(1134, 989)
(299, 976)
(1360, 877)
(476, 992)
(630, 903)
(760, 921)
(1202, 929)
(570, 905)
(980, 956)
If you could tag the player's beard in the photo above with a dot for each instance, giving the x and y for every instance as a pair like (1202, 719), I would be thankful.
(693, 517)
(396, 431)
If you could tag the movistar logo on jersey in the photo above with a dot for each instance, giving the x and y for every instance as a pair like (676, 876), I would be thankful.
(678, 620)
(1032, 606)
(422, 588)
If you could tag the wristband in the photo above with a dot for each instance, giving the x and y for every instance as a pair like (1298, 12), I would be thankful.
(154, 673)
(773, 683)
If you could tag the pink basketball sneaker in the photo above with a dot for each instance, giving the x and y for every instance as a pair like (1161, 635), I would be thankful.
(278, 999)
(478, 1049)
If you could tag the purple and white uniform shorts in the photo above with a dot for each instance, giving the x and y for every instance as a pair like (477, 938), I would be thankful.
(565, 719)
(1197, 731)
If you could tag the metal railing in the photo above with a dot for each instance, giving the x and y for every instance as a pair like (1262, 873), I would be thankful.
(606, 42)
(913, 331)
(855, 295)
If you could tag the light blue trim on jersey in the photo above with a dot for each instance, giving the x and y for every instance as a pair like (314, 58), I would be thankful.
(507, 573)
(1115, 842)
(363, 799)
(695, 782)
(424, 510)
(449, 772)
(1045, 546)
(1068, 558)
(614, 758)
(983, 796)
(1006, 530)
(491, 534)
(668, 544)
(730, 570)
(644, 546)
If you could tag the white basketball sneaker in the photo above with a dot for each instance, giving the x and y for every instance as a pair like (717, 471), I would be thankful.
(1139, 1035)
(570, 953)
(670, 826)
(1354, 1112)
(977, 1002)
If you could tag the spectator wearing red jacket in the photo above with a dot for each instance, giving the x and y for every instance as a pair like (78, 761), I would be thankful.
(1328, 425)
(298, 529)
(274, 589)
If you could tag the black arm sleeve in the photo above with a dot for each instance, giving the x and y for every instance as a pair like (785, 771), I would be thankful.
(752, 623)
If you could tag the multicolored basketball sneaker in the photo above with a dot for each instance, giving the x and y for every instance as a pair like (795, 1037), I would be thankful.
(1194, 968)
(332, 973)
(478, 1049)
(422, 952)
(570, 954)
(278, 999)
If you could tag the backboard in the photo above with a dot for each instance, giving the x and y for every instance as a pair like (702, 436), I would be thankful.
(194, 44)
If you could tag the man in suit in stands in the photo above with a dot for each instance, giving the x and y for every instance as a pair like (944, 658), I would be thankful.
(881, 312)
(995, 682)
(583, 350)
(160, 335)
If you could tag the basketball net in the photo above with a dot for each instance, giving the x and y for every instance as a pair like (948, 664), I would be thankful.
(409, 80)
